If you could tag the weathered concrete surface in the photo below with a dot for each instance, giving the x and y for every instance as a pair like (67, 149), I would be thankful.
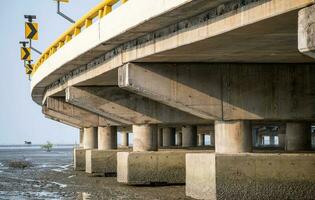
(298, 136)
(59, 105)
(233, 137)
(145, 137)
(141, 168)
(160, 137)
(250, 176)
(124, 138)
(208, 37)
(178, 139)
(49, 114)
(79, 159)
(102, 162)
(107, 138)
(125, 107)
(81, 145)
(189, 136)
(90, 138)
(306, 25)
(205, 129)
(227, 91)
(168, 136)
(175, 85)
(99, 38)
(201, 139)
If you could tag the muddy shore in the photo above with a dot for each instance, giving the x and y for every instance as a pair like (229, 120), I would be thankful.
(51, 177)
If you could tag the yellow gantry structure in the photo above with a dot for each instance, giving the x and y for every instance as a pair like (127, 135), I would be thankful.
(101, 10)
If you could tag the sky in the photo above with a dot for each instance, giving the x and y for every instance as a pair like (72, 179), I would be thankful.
(21, 118)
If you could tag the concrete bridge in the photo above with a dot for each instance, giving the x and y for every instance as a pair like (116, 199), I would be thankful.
(172, 71)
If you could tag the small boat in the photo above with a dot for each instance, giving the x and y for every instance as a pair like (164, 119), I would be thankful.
(26, 142)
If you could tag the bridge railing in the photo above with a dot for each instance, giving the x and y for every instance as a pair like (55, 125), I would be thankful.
(101, 10)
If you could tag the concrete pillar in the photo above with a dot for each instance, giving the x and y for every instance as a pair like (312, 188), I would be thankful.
(212, 139)
(81, 145)
(178, 139)
(201, 139)
(260, 140)
(281, 140)
(298, 136)
(90, 138)
(107, 138)
(168, 137)
(233, 137)
(189, 134)
(272, 140)
(145, 137)
(160, 137)
(124, 139)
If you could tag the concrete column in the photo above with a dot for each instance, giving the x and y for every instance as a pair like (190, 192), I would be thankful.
(201, 139)
(189, 134)
(145, 137)
(81, 145)
(168, 137)
(178, 139)
(260, 140)
(212, 139)
(298, 136)
(107, 138)
(272, 140)
(124, 139)
(90, 138)
(281, 140)
(233, 137)
(160, 137)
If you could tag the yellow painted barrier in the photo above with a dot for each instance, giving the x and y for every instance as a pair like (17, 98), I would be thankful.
(99, 11)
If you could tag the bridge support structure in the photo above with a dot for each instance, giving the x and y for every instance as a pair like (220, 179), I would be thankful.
(88, 139)
(146, 165)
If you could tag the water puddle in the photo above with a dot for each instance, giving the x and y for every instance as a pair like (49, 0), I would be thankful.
(71, 176)
(59, 184)
(28, 195)
(61, 168)
(86, 196)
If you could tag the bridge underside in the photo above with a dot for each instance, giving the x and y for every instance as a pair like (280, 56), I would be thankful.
(232, 74)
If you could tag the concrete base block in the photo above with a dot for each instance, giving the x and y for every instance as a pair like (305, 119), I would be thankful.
(143, 168)
(102, 162)
(250, 176)
(79, 159)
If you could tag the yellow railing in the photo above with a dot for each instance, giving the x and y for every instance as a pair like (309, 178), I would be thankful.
(99, 11)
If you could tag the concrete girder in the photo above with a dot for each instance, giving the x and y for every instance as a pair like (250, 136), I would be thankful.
(62, 118)
(63, 122)
(226, 91)
(306, 31)
(127, 107)
(60, 106)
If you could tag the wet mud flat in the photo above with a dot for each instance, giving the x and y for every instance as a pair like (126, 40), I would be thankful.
(51, 177)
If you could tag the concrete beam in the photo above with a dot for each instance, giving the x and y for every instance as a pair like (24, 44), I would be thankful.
(125, 107)
(63, 122)
(60, 106)
(62, 118)
(226, 91)
(306, 31)
(178, 85)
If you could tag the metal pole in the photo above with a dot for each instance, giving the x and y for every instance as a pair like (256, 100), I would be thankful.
(37, 51)
(63, 15)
